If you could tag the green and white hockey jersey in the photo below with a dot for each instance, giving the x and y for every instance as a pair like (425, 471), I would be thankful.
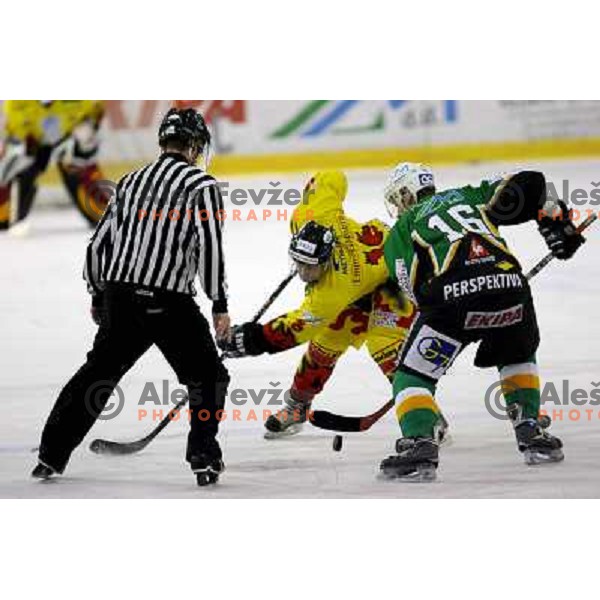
(425, 241)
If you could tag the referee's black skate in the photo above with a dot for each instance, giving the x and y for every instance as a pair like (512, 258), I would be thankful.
(207, 468)
(537, 445)
(43, 472)
(417, 460)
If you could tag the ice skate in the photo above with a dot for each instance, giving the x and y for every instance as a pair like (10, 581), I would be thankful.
(417, 460)
(288, 421)
(207, 463)
(43, 472)
(207, 469)
(537, 445)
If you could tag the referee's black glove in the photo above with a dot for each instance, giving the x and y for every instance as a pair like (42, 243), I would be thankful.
(245, 340)
(98, 310)
(560, 234)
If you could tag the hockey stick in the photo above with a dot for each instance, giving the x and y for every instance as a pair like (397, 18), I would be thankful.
(324, 419)
(265, 307)
(332, 422)
(100, 446)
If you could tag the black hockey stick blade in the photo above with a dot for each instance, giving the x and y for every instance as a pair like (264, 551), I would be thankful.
(99, 446)
(323, 419)
(117, 448)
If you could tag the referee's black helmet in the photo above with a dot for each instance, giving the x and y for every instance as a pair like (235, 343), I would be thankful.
(184, 127)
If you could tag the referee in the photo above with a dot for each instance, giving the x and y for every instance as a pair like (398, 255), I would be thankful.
(162, 227)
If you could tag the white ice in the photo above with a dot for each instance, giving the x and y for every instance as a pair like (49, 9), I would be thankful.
(46, 330)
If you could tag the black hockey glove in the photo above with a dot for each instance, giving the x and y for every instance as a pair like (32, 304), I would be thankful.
(98, 310)
(246, 340)
(560, 234)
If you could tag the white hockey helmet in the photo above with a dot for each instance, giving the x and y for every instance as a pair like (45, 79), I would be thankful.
(403, 187)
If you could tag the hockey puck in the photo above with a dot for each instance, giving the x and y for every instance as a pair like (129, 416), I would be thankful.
(338, 440)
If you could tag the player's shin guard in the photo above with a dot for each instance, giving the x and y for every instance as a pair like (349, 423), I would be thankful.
(521, 390)
(417, 412)
(416, 457)
(315, 369)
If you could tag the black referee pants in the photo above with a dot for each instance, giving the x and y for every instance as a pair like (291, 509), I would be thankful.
(136, 319)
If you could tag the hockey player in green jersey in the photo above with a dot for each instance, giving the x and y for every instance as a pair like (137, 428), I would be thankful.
(447, 253)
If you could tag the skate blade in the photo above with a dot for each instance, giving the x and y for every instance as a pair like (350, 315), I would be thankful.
(425, 474)
(532, 457)
(44, 478)
(287, 432)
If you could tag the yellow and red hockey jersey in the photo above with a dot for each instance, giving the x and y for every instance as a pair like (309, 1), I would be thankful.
(357, 265)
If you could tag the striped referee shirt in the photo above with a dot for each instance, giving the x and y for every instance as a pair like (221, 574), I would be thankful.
(162, 227)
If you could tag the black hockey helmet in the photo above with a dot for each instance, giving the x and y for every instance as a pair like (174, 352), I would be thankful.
(313, 244)
(185, 126)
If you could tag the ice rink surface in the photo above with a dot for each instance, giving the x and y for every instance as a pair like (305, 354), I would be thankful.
(46, 331)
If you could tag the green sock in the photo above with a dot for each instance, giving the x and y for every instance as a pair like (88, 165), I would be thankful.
(521, 385)
(415, 405)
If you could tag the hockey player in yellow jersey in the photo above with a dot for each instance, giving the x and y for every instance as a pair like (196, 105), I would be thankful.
(349, 300)
(34, 132)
